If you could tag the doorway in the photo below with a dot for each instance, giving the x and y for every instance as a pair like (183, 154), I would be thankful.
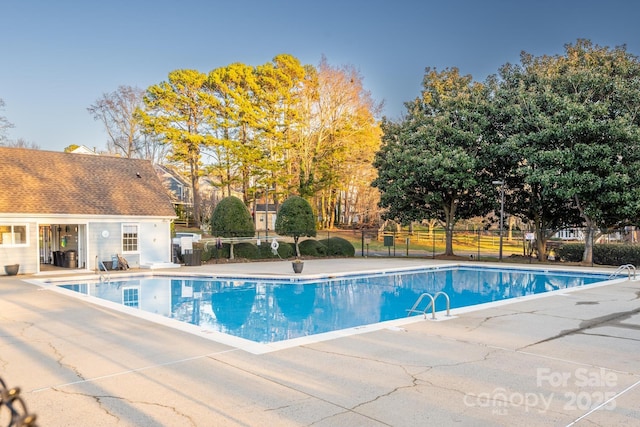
(63, 245)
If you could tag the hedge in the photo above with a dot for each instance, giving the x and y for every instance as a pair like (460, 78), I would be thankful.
(337, 246)
(312, 247)
(603, 254)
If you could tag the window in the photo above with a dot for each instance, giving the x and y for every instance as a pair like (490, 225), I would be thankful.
(130, 297)
(129, 238)
(13, 235)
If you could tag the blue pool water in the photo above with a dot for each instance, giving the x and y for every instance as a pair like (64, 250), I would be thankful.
(267, 311)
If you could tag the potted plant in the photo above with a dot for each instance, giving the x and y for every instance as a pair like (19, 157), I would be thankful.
(11, 269)
(297, 264)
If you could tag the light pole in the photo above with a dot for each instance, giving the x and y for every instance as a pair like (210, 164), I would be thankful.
(266, 213)
(501, 184)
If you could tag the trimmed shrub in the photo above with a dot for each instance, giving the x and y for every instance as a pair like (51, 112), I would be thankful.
(612, 254)
(231, 218)
(295, 218)
(311, 247)
(571, 252)
(223, 252)
(337, 246)
(603, 254)
(246, 250)
(285, 250)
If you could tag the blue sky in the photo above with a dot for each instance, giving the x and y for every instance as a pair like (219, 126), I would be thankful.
(58, 57)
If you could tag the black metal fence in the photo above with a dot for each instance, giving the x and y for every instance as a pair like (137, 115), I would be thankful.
(471, 244)
(478, 244)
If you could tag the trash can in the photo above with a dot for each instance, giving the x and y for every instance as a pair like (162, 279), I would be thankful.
(58, 258)
(192, 257)
(197, 257)
(71, 259)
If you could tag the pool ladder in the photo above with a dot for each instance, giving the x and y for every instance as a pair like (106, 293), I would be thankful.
(103, 277)
(431, 305)
(631, 269)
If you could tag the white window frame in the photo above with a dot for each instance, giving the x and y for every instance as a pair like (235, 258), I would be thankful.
(122, 237)
(12, 233)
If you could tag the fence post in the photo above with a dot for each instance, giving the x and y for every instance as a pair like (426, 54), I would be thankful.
(433, 244)
(394, 243)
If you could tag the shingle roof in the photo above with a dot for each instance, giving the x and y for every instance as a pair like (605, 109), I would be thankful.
(48, 182)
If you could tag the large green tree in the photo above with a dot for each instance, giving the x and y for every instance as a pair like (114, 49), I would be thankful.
(571, 134)
(177, 110)
(521, 151)
(234, 120)
(432, 163)
(600, 170)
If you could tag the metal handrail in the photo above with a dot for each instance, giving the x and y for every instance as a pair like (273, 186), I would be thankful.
(629, 267)
(103, 277)
(432, 304)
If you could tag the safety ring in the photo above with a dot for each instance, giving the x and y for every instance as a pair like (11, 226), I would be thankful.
(275, 245)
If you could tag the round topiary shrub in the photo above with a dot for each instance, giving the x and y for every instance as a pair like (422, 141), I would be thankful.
(231, 218)
(337, 246)
(312, 247)
(295, 218)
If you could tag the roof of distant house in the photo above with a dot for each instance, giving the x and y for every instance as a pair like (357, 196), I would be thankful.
(48, 182)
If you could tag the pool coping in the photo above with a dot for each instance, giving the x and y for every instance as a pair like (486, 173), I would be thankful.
(253, 347)
(76, 362)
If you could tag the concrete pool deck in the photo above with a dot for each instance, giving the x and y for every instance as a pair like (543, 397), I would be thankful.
(568, 358)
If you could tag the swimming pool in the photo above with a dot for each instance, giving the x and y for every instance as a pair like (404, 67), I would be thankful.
(274, 310)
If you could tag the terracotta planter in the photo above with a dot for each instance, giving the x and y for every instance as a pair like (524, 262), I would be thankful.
(297, 266)
(12, 269)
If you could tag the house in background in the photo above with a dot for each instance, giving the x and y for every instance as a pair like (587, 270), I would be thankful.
(179, 190)
(72, 210)
(83, 149)
(264, 216)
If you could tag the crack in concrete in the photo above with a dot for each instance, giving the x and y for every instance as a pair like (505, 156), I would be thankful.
(297, 390)
(99, 400)
(488, 318)
(415, 380)
(59, 357)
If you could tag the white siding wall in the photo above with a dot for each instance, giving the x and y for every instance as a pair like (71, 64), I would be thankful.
(26, 256)
(155, 242)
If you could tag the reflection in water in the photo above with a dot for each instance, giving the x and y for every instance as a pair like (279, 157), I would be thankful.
(295, 301)
(232, 306)
(274, 311)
